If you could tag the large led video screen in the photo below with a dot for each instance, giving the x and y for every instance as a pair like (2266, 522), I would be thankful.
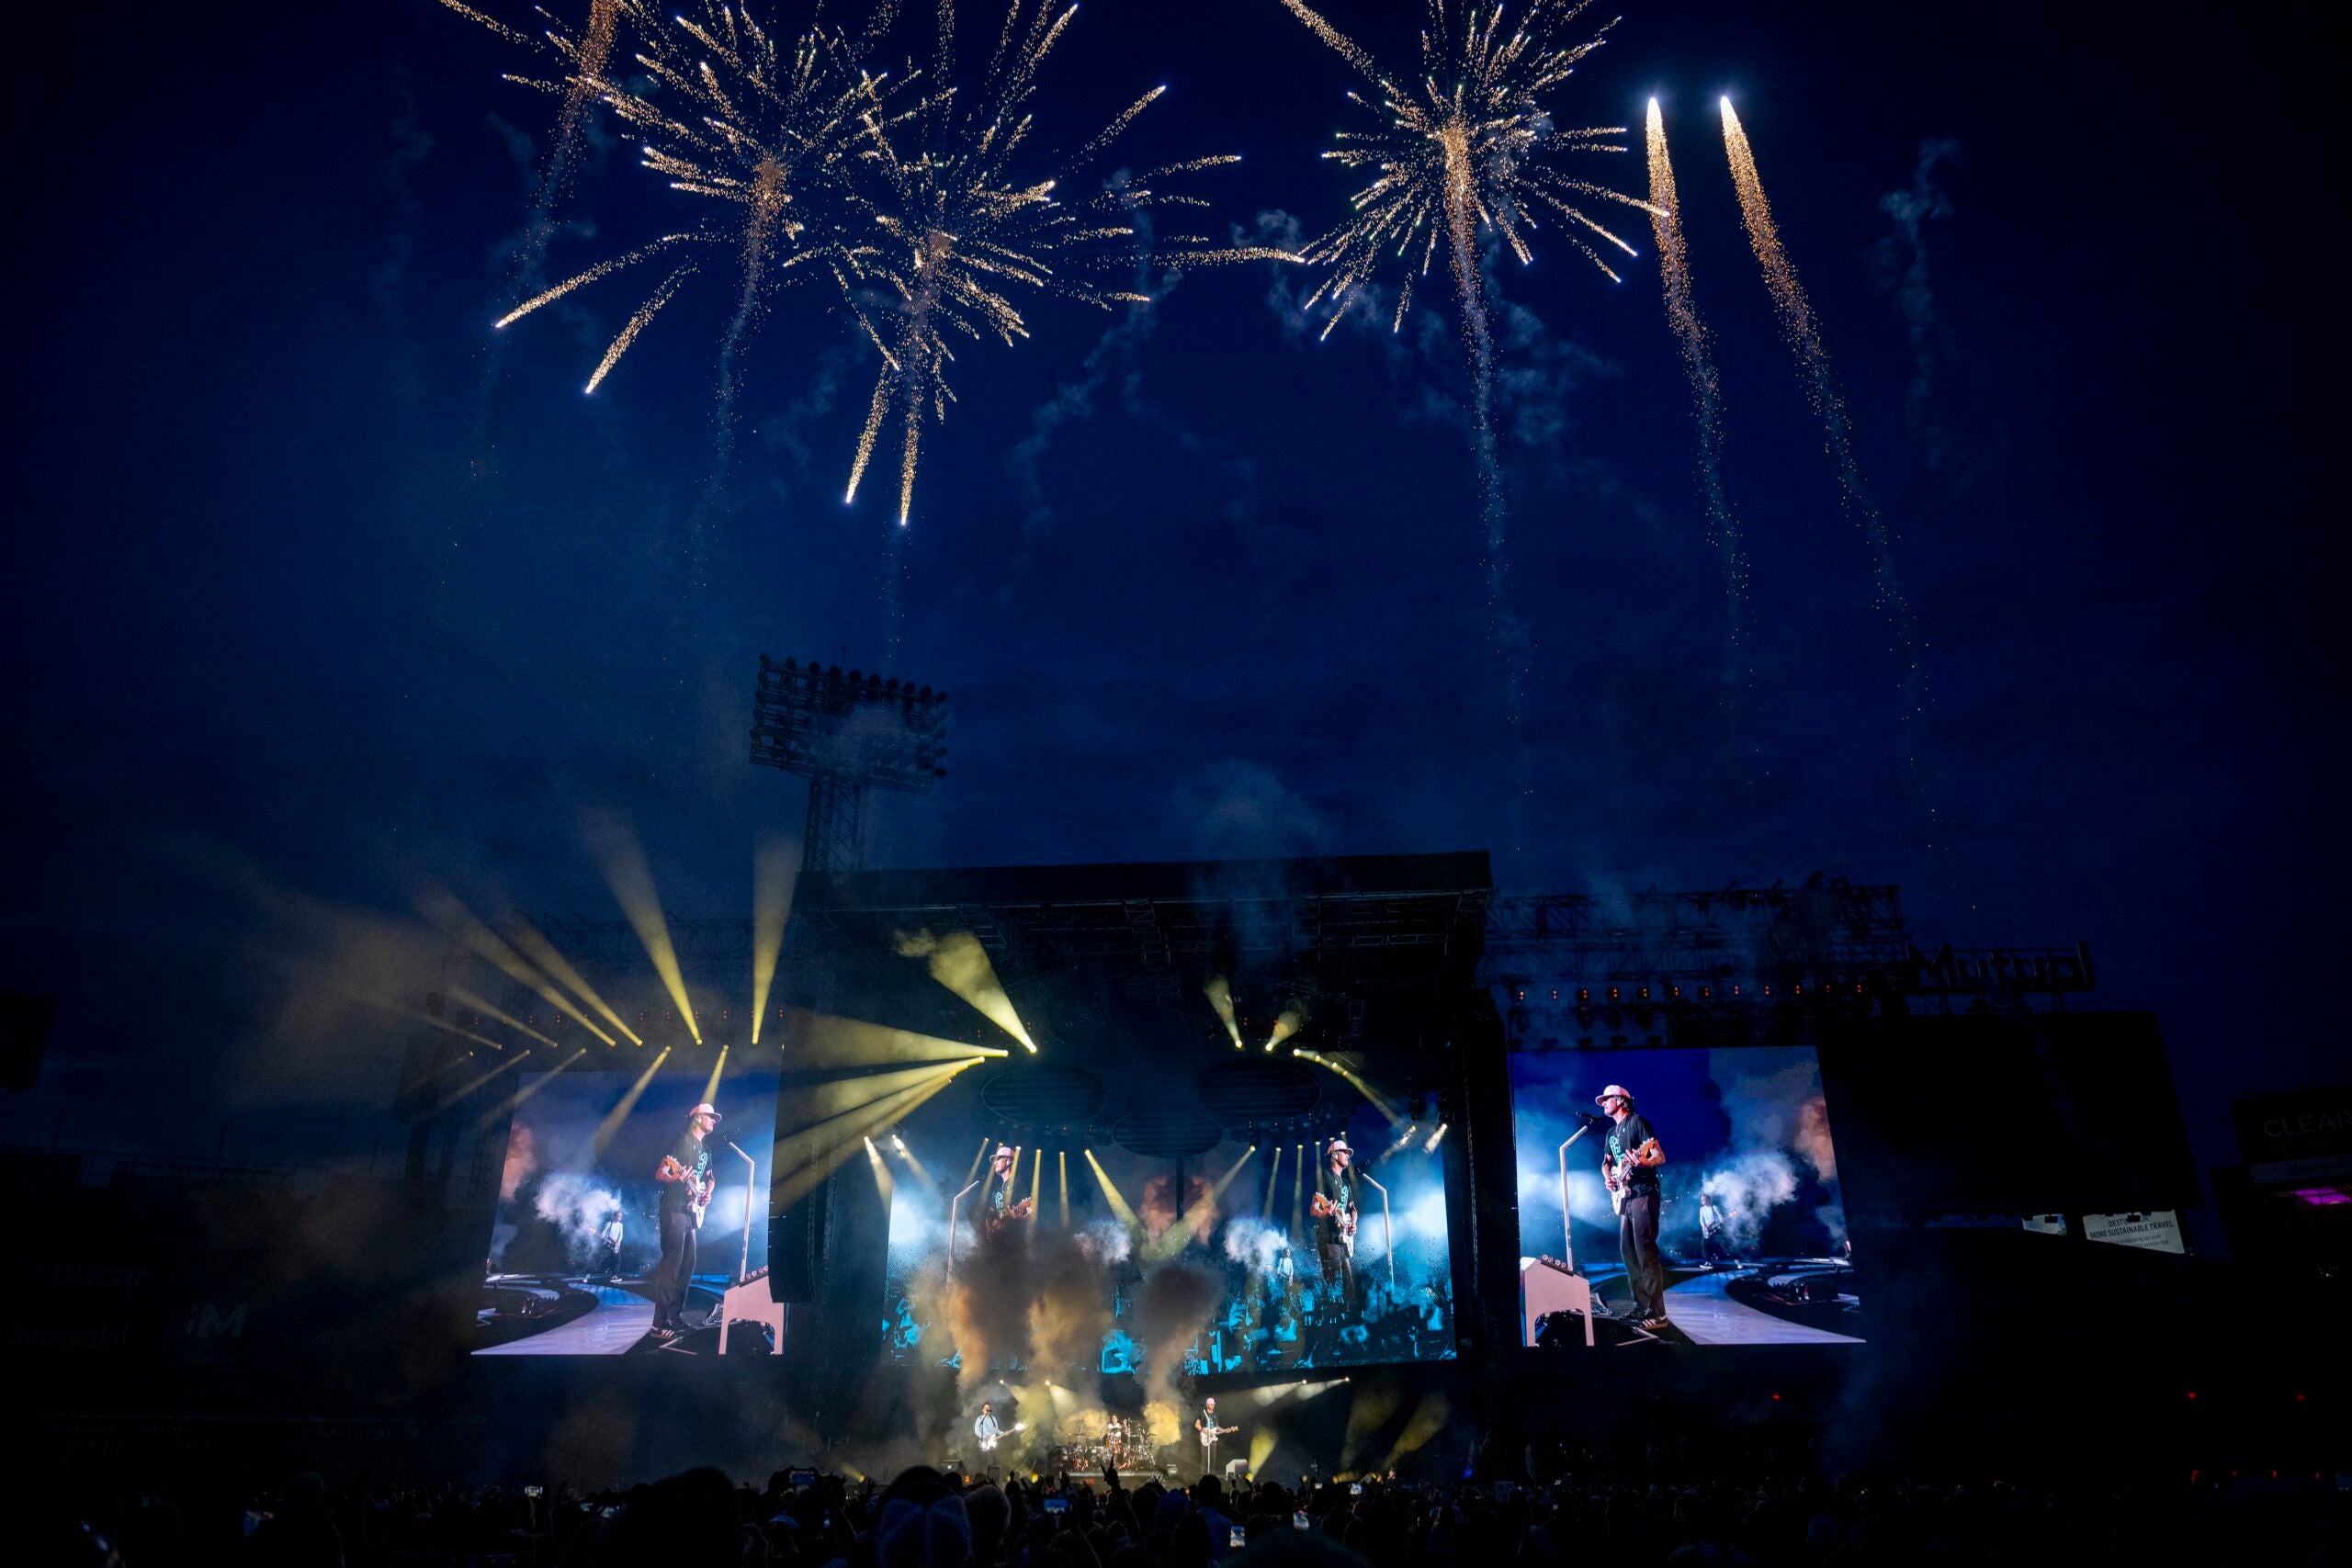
(1066, 1265)
(1682, 1197)
(628, 1225)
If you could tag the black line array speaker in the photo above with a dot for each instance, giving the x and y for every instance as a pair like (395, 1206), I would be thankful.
(796, 1245)
(25, 1019)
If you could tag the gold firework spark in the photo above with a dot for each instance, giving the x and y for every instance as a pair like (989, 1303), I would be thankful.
(580, 87)
(967, 229)
(1804, 332)
(1683, 314)
(1467, 148)
(762, 130)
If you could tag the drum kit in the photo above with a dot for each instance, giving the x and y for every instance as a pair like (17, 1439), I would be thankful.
(1116, 1448)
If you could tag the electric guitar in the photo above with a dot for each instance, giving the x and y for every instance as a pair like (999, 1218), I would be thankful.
(1324, 1208)
(1619, 1187)
(1209, 1434)
(1021, 1211)
(698, 1194)
(988, 1444)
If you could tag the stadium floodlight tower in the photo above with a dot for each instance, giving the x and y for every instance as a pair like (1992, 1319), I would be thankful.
(845, 734)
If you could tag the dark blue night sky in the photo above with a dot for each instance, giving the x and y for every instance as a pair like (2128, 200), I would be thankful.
(315, 588)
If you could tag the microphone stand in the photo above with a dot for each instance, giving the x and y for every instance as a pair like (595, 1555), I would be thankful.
(750, 1183)
(950, 1226)
(1567, 1225)
(1388, 1235)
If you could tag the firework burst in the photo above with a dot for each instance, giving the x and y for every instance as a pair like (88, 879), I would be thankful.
(967, 232)
(1469, 148)
(763, 131)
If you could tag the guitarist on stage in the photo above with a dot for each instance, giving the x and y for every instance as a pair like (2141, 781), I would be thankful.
(1629, 1165)
(1205, 1425)
(686, 1184)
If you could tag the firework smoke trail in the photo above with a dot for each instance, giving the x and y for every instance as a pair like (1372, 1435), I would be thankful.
(582, 89)
(962, 233)
(1804, 333)
(1468, 149)
(1674, 271)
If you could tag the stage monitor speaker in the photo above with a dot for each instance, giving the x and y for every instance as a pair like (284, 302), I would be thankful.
(24, 1035)
(797, 1246)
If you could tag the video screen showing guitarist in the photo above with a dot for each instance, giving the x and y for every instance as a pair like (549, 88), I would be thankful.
(1631, 1157)
(686, 1182)
(1001, 1209)
(1335, 1227)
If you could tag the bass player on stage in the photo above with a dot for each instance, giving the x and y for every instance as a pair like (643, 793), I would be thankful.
(1629, 1167)
(686, 1184)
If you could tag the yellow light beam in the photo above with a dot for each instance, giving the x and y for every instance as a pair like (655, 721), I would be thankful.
(1062, 1163)
(457, 1094)
(959, 963)
(441, 906)
(829, 1121)
(1298, 1192)
(630, 876)
(908, 1155)
(619, 1113)
(469, 998)
(1111, 1193)
(520, 1095)
(418, 1015)
(1425, 1422)
(773, 872)
(1380, 1103)
(915, 1167)
(821, 1040)
(822, 1163)
(804, 1103)
(710, 1086)
(1287, 1022)
(542, 951)
(1274, 1180)
(882, 1181)
(1195, 1220)
(1219, 992)
(1037, 1180)
(978, 1161)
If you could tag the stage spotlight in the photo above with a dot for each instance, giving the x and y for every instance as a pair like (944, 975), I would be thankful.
(1220, 995)
(1287, 1022)
(1435, 1138)
(959, 963)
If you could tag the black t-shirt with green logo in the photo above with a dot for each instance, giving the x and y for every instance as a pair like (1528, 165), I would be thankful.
(677, 1196)
(1623, 1138)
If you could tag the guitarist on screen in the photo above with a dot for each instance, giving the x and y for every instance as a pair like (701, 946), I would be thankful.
(686, 1184)
(1629, 1167)
(1335, 1227)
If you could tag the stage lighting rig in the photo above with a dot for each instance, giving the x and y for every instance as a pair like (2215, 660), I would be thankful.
(845, 734)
